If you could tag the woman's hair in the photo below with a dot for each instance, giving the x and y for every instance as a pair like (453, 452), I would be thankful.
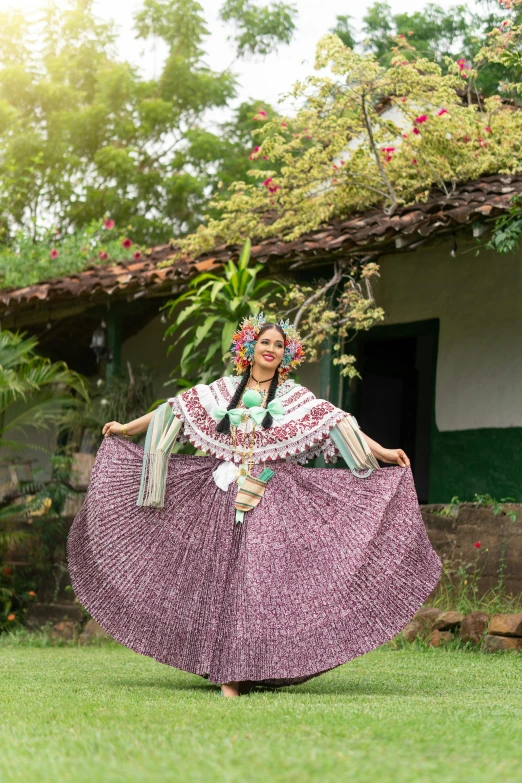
(223, 426)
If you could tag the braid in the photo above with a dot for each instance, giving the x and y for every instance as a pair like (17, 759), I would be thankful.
(223, 426)
(268, 420)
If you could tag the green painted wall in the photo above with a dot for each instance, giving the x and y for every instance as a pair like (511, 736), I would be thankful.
(462, 462)
(476, 461)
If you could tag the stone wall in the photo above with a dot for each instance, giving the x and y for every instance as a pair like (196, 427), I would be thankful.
(454, 538)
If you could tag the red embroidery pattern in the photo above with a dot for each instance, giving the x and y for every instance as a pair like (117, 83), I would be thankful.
(299, 439)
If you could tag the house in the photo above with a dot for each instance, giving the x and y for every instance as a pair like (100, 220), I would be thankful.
(441, 376)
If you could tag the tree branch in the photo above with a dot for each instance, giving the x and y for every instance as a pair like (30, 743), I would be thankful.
(318, 294)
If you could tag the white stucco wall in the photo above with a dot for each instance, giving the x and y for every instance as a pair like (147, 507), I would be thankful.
(148, 347)
(478, 300)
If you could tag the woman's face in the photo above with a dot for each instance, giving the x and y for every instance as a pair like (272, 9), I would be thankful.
(269, 350)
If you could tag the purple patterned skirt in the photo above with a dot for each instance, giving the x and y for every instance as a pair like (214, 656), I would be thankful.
(326, 568)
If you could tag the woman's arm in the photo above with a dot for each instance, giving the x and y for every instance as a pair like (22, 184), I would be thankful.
(395, 456)
(132, 428)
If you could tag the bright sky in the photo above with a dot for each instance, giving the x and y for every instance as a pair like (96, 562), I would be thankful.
(263, 79)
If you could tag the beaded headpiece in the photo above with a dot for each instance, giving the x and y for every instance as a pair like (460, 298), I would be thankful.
(244, 343)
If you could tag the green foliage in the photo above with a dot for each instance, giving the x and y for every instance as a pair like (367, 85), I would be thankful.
(435, 32)
(485, 501)
(82, 134)
(34, 392)
(506, 234)
(120, 398)
(24, 261)
(259, 29)
(45, 388)
(496, 506)
(207, 314)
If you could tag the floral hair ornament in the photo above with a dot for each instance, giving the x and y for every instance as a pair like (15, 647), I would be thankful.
(244, 343)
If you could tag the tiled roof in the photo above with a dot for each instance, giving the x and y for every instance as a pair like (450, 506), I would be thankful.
(372, 232)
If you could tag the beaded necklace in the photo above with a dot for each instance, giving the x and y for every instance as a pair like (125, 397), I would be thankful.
(247, 462)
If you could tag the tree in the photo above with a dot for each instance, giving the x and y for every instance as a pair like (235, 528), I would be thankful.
(435, 33)
(341, 154)
(83, 135)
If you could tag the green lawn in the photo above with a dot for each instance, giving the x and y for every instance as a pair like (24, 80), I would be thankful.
(105, 714)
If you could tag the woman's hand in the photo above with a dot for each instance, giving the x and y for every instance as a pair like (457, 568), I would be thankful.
(112, 428)
(396, 457)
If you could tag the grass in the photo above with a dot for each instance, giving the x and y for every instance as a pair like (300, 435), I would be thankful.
(405, 715)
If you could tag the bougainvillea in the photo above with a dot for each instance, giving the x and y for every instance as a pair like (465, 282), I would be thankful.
(357, 128)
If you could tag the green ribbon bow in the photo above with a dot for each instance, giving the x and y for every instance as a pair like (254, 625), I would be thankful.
(234, 414)
(257, 412)
(275, 407)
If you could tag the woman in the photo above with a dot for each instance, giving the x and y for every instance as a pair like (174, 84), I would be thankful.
(244, 566)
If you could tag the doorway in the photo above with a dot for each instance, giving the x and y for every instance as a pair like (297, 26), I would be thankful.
(394, 401)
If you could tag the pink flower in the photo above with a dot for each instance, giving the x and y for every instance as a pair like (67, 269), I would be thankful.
(441, 112)
(265, 157)
(54, 253)
(404, 135)
(477, 544)
(267, 182)
(404, 100)
(261, 115)
(464, 75)
(404, 62)
(465, 138)
(461, 63)
(284, 124)
(414, 161)
(103, 255)
(416, 131)
(274, 188)
(136, 255)
(108, 223)
(126, 243)
(252, 156)
(421, 119)
(256, 149)
(488, 129)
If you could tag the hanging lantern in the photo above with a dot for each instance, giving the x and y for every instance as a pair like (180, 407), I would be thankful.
(99, 343)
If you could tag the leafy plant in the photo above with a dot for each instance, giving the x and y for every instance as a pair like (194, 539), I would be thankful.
(507, 229)
(120, 398)
(24, 261)
(449, 510)
(45, 388)
(497, 506)
(212, 306)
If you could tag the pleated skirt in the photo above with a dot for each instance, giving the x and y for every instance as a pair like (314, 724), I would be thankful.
(326, 568)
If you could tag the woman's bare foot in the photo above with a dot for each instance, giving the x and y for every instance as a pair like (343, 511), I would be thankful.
(230, 689)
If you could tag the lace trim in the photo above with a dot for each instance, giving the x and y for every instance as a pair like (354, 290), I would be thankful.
(307, 447)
